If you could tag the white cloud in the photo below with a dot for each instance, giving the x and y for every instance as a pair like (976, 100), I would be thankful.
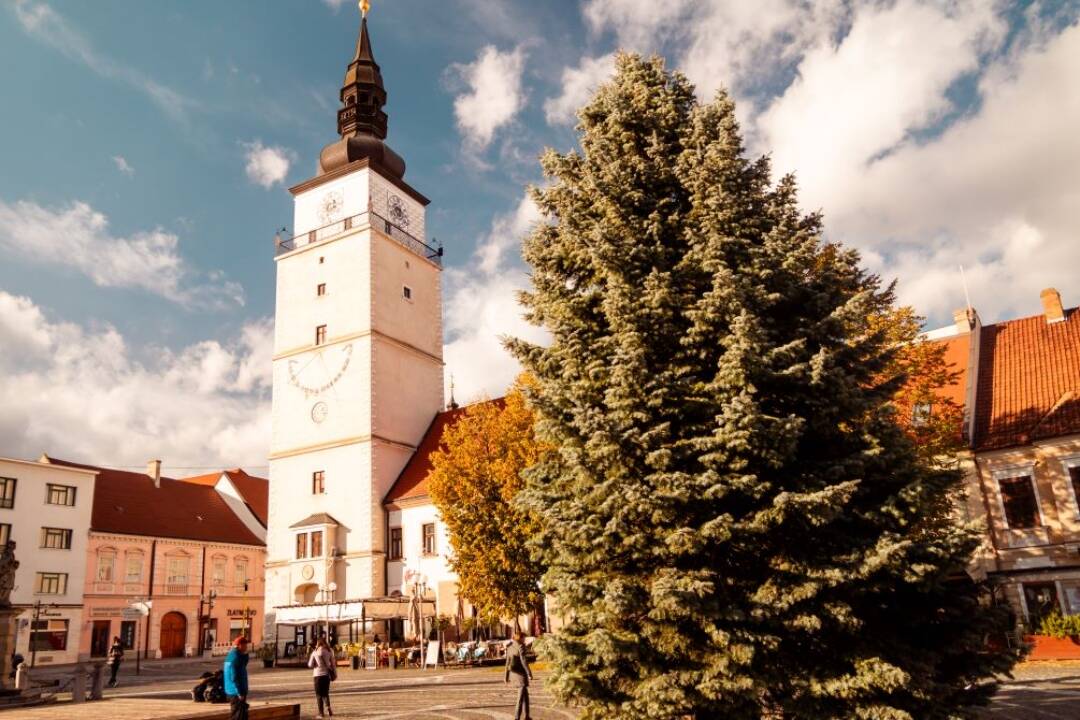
(996, 192)
(122, 165)
(720, 42)
(578, 85)
(853, 102)
(39, 20)
(482, 307)
(335, 5)
(78, 237)
(495, 94)
(267, 166)
(81, 394)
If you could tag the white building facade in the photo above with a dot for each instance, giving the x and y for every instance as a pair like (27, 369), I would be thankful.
(358, 371)
(46, 511)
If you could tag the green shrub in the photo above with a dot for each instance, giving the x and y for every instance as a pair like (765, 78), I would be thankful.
(1060, 626)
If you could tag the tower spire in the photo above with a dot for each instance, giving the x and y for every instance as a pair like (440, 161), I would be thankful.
(361, 121)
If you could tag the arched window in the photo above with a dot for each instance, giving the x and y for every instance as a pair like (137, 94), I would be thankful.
(217, 570)
(240, 572)
(177, 567)
(133, 566)
(106, 564)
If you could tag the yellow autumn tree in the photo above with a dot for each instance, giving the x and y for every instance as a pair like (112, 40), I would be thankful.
(476, 473)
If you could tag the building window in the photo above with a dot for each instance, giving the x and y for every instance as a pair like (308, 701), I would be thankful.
(318, 484)
(406, 292)
(321, 260)
(320, 289)
(240, 573)
(1074, 475)
(133, 569)
(55, 538)
(60, 495)
(217, 576)
(48, 635)
(1040, 599)
(105, 567)
(176, 577)
(1018, 497)
(395, 543)
(320, 335)
(5, 533)
(429, 538)
(127, 634)
(7, 493)
(51, 583)
(301, 546)
(316, 543)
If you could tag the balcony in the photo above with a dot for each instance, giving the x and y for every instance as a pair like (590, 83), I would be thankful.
(367, 219)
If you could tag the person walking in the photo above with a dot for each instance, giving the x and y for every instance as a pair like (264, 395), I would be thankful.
(236, 679)
(116, 656)
(517, 666)
(324, 672)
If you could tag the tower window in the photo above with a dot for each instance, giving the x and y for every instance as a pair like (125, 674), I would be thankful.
(320, 289)
(406, 292)
(316, 544)
(318, 483)
(320, 335)
(321, 259)
(301, 546)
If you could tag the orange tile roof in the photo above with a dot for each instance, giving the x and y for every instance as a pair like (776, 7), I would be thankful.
(254, 490)
(1029, 381)
(412, 482)
(129, 504)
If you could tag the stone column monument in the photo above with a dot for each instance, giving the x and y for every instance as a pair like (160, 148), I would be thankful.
(8, 614)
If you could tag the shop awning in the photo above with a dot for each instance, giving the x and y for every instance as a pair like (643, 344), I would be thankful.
(384, 608)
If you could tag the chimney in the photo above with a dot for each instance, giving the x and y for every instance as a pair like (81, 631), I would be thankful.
(964, 320)
(1051, 302)
(153, 469)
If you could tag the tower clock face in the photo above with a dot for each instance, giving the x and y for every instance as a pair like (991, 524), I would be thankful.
(330, 206)
(399, 215)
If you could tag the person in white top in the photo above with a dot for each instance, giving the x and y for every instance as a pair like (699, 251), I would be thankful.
(325, 672)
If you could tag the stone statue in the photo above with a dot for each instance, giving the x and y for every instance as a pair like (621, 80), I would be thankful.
(8, 566)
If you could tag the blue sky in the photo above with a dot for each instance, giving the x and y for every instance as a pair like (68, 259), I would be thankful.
(147, 147)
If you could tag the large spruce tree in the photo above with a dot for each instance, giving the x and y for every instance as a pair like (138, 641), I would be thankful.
(734, 521)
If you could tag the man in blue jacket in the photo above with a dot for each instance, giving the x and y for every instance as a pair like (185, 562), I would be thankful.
(236, 678)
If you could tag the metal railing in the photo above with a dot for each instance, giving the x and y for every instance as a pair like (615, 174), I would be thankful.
(372, 219)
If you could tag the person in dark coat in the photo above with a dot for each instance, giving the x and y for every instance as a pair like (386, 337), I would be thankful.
(236, 679)
(517, 667)
(116, 656)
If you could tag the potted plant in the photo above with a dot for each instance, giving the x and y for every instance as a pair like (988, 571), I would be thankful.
(266, 653)
(1058, 638)
(353, 651)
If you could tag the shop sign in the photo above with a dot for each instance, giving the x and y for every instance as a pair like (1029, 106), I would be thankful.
(234, 612)
(107, 612)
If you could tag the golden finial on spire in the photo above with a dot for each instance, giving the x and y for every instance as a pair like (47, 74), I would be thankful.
(365, 5)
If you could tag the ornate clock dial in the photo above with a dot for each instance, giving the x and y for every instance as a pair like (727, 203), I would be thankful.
(398, 213)
(330, 207)
(319, 411)
(320, 372)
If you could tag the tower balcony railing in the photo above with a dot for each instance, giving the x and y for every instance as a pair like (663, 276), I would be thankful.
(354, 222)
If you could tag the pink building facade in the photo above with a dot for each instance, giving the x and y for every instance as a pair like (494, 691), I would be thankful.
(201, 595)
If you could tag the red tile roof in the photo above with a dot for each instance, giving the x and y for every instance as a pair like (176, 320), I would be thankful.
(128, 503)
(412, 482)
(254, 490)
(1029, 381)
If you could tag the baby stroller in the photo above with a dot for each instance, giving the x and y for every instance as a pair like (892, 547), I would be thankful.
(211, 688)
